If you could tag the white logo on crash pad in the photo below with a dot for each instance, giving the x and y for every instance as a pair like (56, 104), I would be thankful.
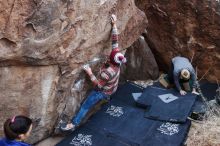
(115, 111)
(167, 98)
(169, 128)
(82, 140)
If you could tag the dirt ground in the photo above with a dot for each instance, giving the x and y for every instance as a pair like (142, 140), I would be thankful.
(206, 133)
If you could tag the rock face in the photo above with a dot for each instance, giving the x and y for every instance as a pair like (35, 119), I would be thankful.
(141, 64)
(43, 45)
(29, 91)
(187, 28)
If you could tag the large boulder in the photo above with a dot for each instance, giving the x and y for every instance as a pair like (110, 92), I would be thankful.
(141, 64)
(43, 45)
(187, 28)
(30, 91)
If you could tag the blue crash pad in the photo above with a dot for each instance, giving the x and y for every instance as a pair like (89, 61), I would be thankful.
(84, 136)
(174, 111)
(167, 134)
(208, 89)
(119, 118)
(167, 105)
(199, 106)
(149, 94)
(126, 125)
(124, 93)
(120, 123)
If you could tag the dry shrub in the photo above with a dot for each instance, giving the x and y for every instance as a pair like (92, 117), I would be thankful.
(206, 133)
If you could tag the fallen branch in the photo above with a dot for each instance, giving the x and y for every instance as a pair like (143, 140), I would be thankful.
(205, 73)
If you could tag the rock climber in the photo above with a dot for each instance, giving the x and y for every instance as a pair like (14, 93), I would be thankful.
(105, 85)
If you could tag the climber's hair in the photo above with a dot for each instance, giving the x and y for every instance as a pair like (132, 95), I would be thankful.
(15, 126)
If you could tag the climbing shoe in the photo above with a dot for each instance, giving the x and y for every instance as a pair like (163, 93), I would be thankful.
(67, 127)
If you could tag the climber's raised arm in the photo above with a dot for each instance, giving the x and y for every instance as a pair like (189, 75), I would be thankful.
(92, 77)
(105, 85)
(114, 32)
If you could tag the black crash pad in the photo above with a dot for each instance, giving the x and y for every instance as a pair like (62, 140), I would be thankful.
(120, 123)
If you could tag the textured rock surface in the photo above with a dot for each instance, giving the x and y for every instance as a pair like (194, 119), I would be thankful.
(29, 91)
(141, 64)
(49, 32)
(188, 28)
(61, 35)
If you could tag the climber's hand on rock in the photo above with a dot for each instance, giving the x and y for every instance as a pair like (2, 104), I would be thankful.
(87, 69)
(113, 19)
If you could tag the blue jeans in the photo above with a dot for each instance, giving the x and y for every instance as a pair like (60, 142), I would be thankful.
(93, 98)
